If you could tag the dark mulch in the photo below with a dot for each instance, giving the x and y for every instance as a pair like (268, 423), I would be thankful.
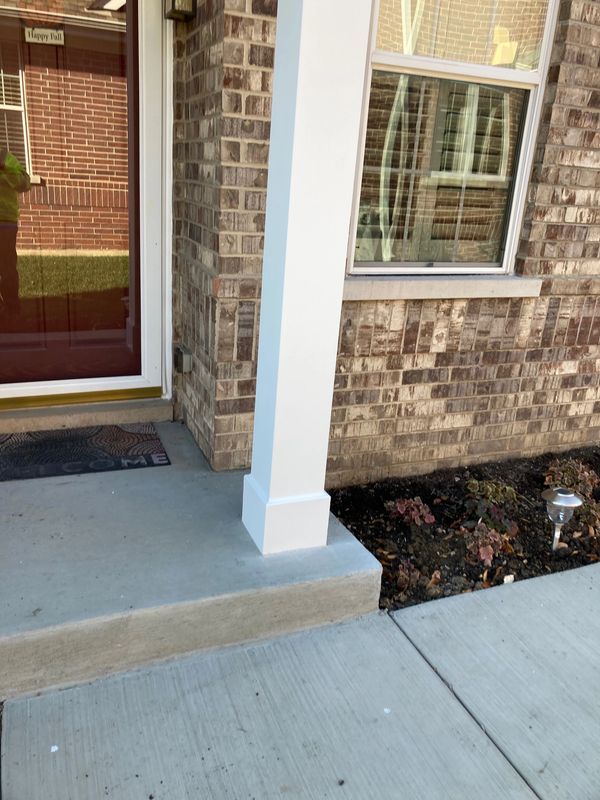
(430, 561)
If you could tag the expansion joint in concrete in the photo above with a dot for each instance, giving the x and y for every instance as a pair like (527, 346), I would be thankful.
(473, 716)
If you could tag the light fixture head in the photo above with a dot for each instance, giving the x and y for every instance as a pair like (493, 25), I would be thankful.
(560, 504)
(180, 9)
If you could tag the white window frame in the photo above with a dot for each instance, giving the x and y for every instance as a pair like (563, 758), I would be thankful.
(468, 153)
(533, 81)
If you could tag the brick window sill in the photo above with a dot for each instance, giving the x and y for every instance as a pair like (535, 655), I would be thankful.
(439, 287)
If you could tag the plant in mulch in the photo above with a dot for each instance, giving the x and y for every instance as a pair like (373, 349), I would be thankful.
(493, 504)
(408, 578)
(464, 529)
(484, 543)
(488, 527)
(583, 533)
(573, 475)
(413, 511)
(416, 515)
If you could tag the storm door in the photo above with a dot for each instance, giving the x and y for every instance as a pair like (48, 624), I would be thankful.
(69, 188)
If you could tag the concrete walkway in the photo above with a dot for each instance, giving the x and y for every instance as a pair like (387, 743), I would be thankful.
(490, 695)
(526, 664)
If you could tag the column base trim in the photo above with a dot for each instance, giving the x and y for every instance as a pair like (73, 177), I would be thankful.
(287, 523)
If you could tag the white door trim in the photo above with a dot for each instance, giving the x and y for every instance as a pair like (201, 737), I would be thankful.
(155, 93)
(167, 209)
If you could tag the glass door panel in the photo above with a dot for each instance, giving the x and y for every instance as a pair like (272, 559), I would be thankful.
(69, 271)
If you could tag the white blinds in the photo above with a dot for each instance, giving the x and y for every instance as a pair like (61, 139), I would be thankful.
(12, 129)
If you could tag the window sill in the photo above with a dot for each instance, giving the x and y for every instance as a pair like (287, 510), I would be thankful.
(439, 287)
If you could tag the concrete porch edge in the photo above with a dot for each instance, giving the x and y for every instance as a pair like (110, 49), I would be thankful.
(82, 651)
(110, 571)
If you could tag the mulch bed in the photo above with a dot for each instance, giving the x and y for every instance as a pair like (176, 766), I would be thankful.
(428, 560)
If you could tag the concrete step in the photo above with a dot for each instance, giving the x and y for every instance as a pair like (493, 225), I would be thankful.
(106, 572)
(86, 414)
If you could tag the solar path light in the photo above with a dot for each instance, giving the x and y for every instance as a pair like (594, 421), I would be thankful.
(560, 505)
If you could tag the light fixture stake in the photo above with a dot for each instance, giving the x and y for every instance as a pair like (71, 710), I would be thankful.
(560, 505)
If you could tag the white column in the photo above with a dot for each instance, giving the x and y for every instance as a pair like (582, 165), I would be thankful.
(320, 66)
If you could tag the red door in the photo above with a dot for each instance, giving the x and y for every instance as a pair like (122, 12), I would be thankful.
(69, 168)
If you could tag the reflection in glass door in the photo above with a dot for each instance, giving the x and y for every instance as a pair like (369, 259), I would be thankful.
(69, 272)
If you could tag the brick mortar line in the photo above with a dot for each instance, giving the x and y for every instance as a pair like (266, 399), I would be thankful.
(570, 147)
(568, 23)
(479, 724)
(465, 397)
(229, 14)
(251, 140)
(256, 118)
(424, 433)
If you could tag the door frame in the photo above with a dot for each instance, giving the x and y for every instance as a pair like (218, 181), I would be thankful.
(155, 213)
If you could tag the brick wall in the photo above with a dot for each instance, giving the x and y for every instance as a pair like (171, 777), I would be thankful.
(424, 384)
(198, 77)
(248, 75)
(223, 89)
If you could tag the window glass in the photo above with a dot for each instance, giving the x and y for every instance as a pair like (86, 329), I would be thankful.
(502, 33)
(439, 166)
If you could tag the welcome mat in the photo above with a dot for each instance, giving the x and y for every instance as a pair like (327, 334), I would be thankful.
(76, 451)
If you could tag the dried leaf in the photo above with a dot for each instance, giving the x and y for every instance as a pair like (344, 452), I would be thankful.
(436, 577)
(486, 554)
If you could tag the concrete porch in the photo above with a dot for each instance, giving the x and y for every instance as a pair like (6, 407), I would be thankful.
(101, 573)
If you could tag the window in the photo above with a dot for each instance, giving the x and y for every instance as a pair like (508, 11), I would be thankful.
(13, 127)
(455, 91)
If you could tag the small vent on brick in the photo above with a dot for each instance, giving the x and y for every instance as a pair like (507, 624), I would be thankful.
(182, 359)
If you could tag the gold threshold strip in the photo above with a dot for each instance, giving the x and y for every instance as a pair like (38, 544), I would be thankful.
(79, 398)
